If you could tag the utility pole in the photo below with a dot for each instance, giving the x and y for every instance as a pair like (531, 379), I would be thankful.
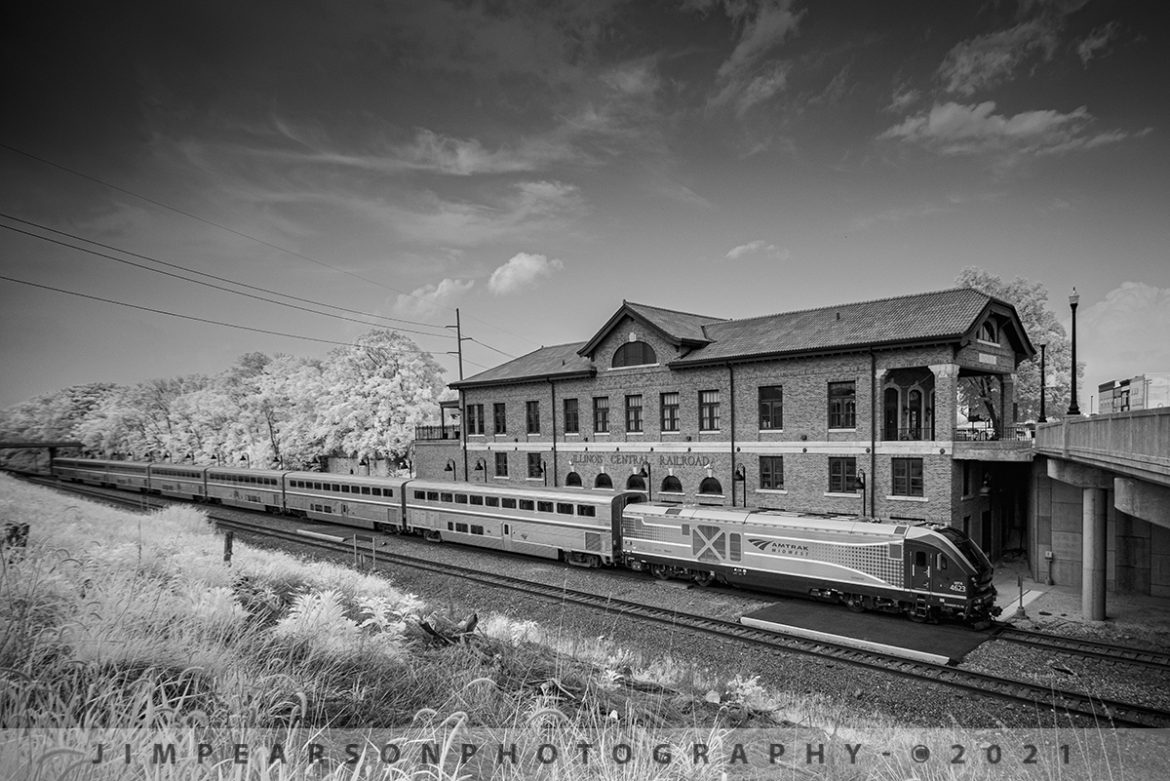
(462, 406)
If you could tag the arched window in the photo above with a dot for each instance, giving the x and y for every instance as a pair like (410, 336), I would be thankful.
(671, 485)
(573, 480)
(603, 481)
(635, 483)
(634, 354)
(710, 486)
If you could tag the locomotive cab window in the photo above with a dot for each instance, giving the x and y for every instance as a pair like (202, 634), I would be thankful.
(919, 558)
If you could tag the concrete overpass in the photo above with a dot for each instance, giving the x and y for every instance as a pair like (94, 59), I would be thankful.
(1115, 470)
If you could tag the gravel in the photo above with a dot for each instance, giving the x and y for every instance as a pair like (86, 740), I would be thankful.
(809, 683)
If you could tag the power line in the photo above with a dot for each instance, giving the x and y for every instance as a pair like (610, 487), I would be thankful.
(191, 317)
(204, 220)
(209, 276)
(196, 281)
(233, 231)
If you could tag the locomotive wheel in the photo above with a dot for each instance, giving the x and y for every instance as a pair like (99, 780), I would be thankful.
(660, 571)
(855, 604)
(703, 579)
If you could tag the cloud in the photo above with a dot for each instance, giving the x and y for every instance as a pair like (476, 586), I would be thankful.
(748, 77)
(1124, 334)
(522, 271)
(1097, 41)
(988, 60)
(956, 129)
(758, 247)
(431, 300)
(465, 157)
(903, 97)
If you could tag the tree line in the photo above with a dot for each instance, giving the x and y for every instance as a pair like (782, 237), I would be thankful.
(363, 400)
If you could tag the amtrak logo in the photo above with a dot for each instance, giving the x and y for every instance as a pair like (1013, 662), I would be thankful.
(783, 548)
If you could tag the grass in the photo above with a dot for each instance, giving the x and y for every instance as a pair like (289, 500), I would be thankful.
(130, 632)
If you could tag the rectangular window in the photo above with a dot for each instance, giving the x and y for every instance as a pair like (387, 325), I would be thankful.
(601, 415)
(633, 413)
(572, 420)
(771, 407)
(532, 417)
(842, 475)
(587, 510)
(501, 464)
(446, 497)
(670, 412)
(709, 410)
(500, 418)
(772, 473)
(508, 504)
(476, 499)
(907, 476)
(527, 504)
(842, 404)
(460, 498)
(492, 501)
(564, 508)
(544, 507)
(474, 418)
(535, 469)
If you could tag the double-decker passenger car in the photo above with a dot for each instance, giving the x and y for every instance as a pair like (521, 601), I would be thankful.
(179, 481)
(127, 475)
(369, 502)
(577, 526)
(255, 489)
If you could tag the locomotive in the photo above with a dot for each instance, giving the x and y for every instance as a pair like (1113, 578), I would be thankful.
(925, 572)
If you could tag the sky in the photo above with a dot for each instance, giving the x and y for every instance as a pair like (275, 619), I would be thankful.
(359, 164)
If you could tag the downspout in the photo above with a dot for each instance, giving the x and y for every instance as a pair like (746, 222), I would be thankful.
(872, 482)
(463, 432)
(552, 389)
(731, 384)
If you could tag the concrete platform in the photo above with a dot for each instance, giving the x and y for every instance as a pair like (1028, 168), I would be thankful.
(898, 635)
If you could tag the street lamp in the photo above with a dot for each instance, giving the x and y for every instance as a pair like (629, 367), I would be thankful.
(450, 467)
(739, 476)
(1043, 387)
(645, 473)
(480, 466)
(1073, 300)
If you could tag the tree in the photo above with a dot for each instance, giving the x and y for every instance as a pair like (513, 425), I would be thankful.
(1030, 300)
(374, 394)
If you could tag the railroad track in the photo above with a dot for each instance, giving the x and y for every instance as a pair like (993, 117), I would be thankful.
(1092, 649)
(1114, 713)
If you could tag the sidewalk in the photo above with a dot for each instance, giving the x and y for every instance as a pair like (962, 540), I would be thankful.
(1128, 617)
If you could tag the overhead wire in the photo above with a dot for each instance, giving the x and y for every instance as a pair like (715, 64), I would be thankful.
(195, 281)
(204, 220)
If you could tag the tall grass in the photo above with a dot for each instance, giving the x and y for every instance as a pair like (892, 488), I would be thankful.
(130, 631)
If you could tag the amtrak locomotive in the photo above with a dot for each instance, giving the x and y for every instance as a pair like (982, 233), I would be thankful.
(923, 571)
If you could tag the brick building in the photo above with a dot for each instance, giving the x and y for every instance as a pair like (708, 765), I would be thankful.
(847, 409)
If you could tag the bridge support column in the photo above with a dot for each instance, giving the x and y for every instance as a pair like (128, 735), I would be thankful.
(1093, 554)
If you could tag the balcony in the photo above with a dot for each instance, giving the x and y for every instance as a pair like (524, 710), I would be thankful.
(984, 443)
(435, 433)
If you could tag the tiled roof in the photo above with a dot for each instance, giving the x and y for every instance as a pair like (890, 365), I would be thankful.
(682, 325)
(558, 360)
(919, 317)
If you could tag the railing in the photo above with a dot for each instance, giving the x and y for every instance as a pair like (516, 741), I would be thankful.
(1019, 432)
(1136, 442)
(907, 434)
(433, 433)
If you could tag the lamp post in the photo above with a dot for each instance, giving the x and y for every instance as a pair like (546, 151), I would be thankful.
(1043, 386)
(1073, 300)
(450, 467)
(544, 473)
(739, 476)
(645, 473)
(365, 463)
(480, 466)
